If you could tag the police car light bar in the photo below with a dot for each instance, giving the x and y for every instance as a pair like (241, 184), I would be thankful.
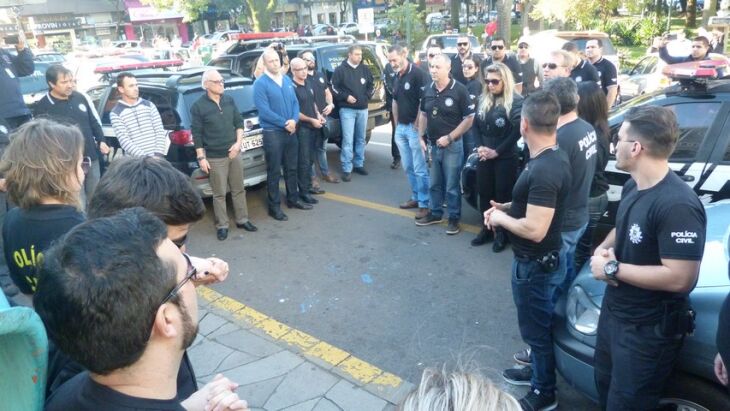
(116, 68)
(698, 70)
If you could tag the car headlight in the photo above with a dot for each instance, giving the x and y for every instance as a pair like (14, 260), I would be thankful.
(582, 314)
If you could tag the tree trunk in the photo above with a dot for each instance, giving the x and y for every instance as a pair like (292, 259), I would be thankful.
(709, 11)
(691, 14)
(421, 6)
(505, 20)
(682, 5)
(455, 9)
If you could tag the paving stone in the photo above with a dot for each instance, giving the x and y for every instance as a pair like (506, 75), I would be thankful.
(227, 328)
(199, 338)
(207, 356)
(209, 323)
(257, 393)
(243, 340)
(302, 406)
(390, 388)
(326, 405)
(234, 360)
(349, 397)
(303, 383)
(265, 368)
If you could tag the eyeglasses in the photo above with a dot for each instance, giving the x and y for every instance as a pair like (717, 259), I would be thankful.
(497, 47)
(523, 46)
(190, 274)
(86, 165)
(180, 242)
(469, 66)
(462, 44)
(551, 66)
(493, 81)
(221, 81)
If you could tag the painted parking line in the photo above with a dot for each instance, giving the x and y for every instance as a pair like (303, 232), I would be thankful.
(341, 362)
(387, 209)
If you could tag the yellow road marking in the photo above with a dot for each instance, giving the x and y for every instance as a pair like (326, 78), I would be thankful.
(387, 209)
(358, 369)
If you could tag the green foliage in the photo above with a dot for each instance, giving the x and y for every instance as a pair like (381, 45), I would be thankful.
(406, 16)
(191, 9)
(634, 31)
(580, 15)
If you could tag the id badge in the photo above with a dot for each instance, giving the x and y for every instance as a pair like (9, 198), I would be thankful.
(435, 111)
(10, 73)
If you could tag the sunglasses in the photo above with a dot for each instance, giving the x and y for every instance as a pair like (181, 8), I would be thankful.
(188, 276)
(523, 47)
(492, 82)
(462, 44)
(497, 47)
(86, 165)
(551, 66)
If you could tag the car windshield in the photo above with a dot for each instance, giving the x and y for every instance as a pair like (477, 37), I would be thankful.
(581, 43)
(449, 42)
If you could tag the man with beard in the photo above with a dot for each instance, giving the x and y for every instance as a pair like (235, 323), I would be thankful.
(463, 46)
(127, 312)
(500, 54)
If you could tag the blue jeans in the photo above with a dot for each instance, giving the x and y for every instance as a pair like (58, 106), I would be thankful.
(413, 161)
(570, 240)
(281, 149)
(353, 123)
(533, 292)
(445, 172)
(320, 154)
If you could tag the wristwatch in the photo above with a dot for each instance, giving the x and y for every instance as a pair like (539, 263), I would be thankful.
(201, 158)
(610, 269)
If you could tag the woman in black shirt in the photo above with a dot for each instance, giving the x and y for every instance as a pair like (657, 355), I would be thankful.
(592, 107)
(497, 129)
(472, 73)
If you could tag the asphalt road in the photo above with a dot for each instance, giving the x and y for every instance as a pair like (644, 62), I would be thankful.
(358, 273)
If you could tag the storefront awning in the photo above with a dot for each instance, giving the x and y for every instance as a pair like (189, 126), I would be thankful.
(150, 13)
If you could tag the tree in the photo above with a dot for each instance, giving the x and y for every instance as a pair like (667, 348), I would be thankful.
(691, 14)
(191, 9)
(455, 9)
(260, 12)
(504, 22)
(565, 11)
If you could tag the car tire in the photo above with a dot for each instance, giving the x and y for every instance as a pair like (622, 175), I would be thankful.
(687, 392)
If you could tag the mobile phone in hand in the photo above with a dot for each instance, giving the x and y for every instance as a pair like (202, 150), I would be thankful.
(12, 40)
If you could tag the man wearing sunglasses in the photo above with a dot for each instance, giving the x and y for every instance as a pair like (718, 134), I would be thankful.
(582, 70)
(558, 65)
(532, 77)
(457, 62)
(126, 312)
(500, 54)
(700, 50)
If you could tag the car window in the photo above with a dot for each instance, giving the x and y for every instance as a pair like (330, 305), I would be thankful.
(694, 120)
(247, 65)
(221, 62)
(581, 43)
(371, 62)
(109, 105)
(652, 65)
(95, 94)
(242, 95)
(165, 103)
(641, 66)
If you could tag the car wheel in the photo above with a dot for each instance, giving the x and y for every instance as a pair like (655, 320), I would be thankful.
(687, 393)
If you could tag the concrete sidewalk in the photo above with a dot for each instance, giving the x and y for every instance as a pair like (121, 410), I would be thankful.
(281, 368)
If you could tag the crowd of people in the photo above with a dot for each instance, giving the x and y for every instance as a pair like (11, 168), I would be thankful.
(104, 255)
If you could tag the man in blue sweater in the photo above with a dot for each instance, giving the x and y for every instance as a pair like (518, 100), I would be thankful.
(352, 87)
(278, 109)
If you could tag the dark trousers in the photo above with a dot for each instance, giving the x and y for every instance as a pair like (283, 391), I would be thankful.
(281, 149)
(495, 181)
(15, 122)
(596, 207)
(307, 139)
(394, 152)
(632, 363)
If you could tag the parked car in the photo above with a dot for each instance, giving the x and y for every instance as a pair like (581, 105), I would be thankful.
(544, 42)
(448, 45)
(52, 57)
(432, 16)
(329, 56)
(348, 28)
(693, 385)
(127, 44)
(321, 29)
(174, 93)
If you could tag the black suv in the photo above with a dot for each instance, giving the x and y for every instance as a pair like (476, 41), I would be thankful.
(242, 61)
(174, 93)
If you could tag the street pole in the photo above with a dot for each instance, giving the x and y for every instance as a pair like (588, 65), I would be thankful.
(669, 15)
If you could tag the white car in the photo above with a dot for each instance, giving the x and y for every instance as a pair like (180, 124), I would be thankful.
(348, 28)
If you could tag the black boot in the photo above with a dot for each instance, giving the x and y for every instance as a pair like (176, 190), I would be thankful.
(500, 240)
(485, 235)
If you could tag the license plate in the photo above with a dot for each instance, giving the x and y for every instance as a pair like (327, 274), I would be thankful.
(249, 143)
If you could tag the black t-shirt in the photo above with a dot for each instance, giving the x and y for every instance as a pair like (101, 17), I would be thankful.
(599, 185)
(28, 233)
(606, 73)
(545, 182)
(498, 129)
(81, 393)
(578, 139)
(474, 88)
(457, 69)
(584, 71)
(319, 84)
(511, 62)
(445, 109)
(305, 96)
(664, 221)
(408, 90)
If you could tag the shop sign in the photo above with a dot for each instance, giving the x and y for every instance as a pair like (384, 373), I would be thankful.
(150, 13)
(55, 25)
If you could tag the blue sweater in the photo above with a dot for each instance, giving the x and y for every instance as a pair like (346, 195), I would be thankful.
(276, 105)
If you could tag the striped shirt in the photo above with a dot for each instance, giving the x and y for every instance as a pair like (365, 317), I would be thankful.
(138, 128)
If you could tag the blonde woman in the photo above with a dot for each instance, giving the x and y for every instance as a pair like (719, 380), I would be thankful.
(497, 129)
(44, 171)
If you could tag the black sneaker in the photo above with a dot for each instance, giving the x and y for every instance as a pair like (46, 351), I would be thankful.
(539, 401)
(522, 356)
(347, 177)
(361, 171)
(453, 227)
(428, 220)
(518, 376)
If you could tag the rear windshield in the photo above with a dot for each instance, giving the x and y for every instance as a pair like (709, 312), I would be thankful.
(242, 96)
(221, 62)
(581, 43)
(450, 41)
(333, 57)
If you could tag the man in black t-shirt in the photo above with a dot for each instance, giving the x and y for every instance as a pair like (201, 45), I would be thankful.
(131, 344)
(408, 88)
(582, 70)
(463, 46)
(651, 261)
(500, 54)
(534, 221)
(447, 112)
(606, 70)
(310, 120)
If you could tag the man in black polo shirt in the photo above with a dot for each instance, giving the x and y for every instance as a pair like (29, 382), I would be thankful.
(582, 70)
(217, 128)
(606, 70)
(447, 113)
(651, 261)
(533, 220)
(64, 104)
(500, 54)
(463, 46)
(310, 119)
(408, 87)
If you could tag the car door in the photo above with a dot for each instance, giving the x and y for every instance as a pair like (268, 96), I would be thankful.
(715, 185)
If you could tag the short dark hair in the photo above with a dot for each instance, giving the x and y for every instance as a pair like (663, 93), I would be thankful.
(353, 48)
(121, 76)
(593, 107)
(655, 127)
(148, 182)
(566, 90)
(55, 71)
(570, 47)
(599, 42)
(498, 38)
(705, 42)
(397, 48)
(541, 109)
(100, 286)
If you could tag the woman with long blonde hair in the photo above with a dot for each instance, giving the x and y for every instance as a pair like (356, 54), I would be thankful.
(497, 129)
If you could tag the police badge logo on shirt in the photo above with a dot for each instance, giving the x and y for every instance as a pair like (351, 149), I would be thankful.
(362, 80)
(321, 80)
(82, 108)
(499, 122)
(407, 86)
(578, 79)
(449, 102)
(635, 234)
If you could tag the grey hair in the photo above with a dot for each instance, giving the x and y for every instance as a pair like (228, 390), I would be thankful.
(444, 58)
(206, 77)
(297, 60)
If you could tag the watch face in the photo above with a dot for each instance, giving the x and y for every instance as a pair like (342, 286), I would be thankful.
(610, 267)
